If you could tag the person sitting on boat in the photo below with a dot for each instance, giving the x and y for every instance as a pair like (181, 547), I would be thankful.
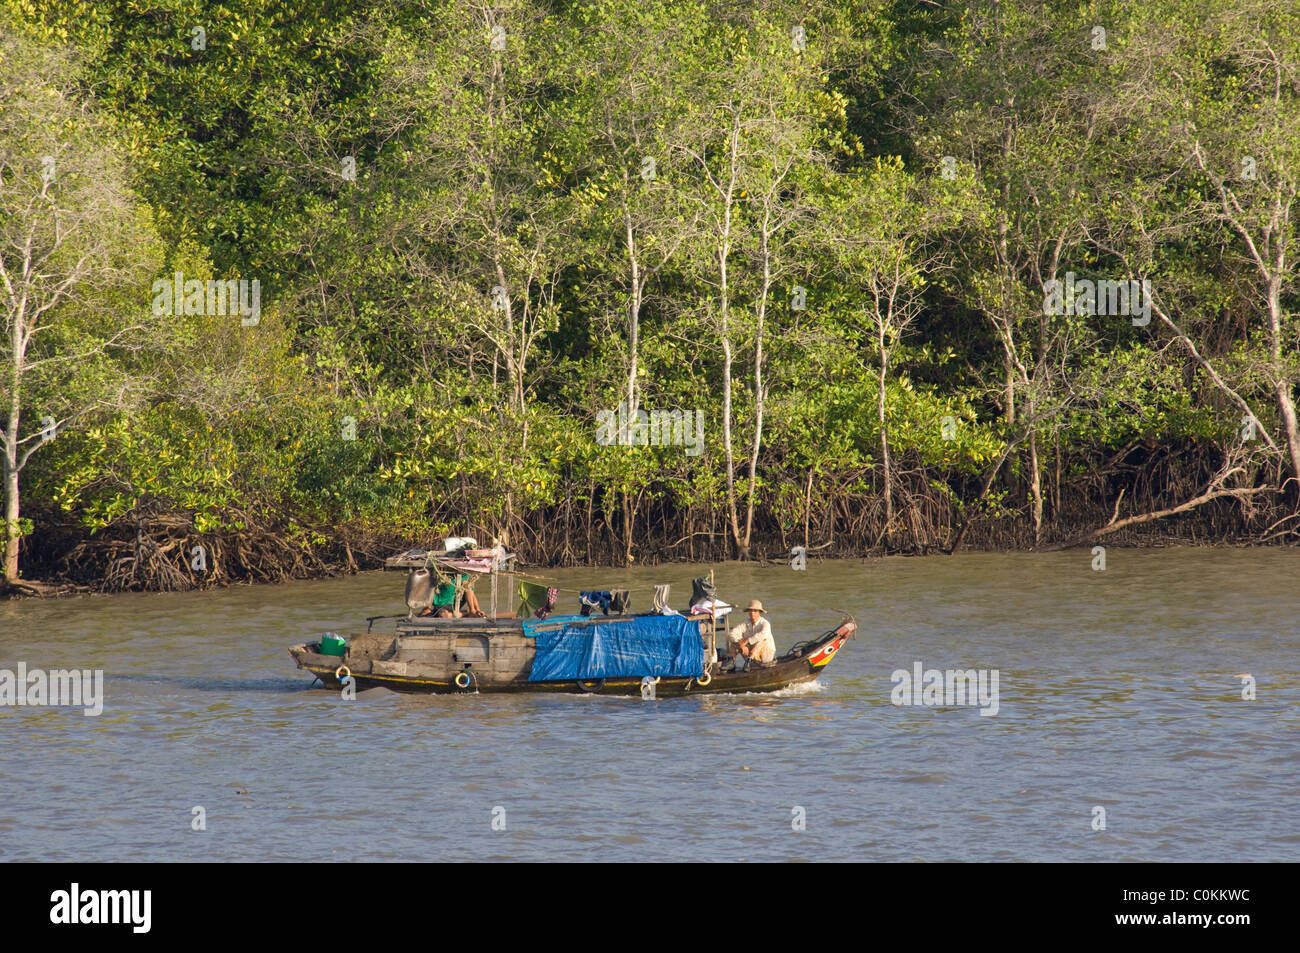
(445, 598)
(753, 639)
(469, 602)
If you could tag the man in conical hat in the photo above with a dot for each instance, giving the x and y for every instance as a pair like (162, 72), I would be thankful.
(753, 639)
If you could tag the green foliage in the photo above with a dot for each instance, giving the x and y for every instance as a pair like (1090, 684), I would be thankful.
(523, 167)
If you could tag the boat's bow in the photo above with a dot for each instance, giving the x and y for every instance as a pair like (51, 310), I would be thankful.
(819, 651)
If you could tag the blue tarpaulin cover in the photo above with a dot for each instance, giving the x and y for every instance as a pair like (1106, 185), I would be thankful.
(629, 648)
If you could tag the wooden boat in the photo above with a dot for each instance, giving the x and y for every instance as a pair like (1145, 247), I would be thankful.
(432, 655)
(463, 656)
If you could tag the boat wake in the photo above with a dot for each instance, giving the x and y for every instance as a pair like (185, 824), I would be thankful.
(803, 688)
(814, 687)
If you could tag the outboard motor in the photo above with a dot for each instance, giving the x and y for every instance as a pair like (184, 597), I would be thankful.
(419, 589)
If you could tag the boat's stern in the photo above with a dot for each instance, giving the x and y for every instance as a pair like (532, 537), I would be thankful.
(328, 668)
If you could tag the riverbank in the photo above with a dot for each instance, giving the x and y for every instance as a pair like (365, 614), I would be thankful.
(159, 551)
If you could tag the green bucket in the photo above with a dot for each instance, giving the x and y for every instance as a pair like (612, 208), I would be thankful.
(332, 643)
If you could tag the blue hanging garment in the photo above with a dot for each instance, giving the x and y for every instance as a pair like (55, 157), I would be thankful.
(592, 600)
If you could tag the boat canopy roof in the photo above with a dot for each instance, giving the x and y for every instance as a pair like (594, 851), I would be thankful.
(470, 560)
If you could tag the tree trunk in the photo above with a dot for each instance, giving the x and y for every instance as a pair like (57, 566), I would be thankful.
(1282, 387)
(807, 506)
(634, 304)
(758, 393)
(1286, 407)
(513, 371)
(11, 504)
(1004, 256)
(628, 516)
(724, 251)
(884, 442)
(11, 541)
(732, 514)
(1009, 391)
(1035, 488)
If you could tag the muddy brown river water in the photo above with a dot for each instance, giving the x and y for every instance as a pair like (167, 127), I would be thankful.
(1121, 731)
